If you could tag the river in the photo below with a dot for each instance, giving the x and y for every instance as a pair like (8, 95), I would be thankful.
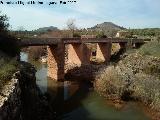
(78, 101)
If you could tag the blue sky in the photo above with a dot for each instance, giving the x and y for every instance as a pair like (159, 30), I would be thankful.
(87, 13)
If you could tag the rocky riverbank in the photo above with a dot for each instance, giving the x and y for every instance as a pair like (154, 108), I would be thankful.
(135, 77)
(11, 94)
(10, 100)
(21, 98)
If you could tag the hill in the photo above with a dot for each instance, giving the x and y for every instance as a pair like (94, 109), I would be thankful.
(110, 29)
(47, 29)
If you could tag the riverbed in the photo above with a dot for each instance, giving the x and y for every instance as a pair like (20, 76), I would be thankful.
(77, 100)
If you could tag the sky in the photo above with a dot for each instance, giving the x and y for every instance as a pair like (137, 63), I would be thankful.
(86, 13)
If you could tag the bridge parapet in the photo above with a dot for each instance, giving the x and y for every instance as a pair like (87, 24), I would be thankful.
(55, 41)
(39, 41)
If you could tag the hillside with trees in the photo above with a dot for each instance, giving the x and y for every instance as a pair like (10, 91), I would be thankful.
(46, 29)
(147, 32)
(108, 28)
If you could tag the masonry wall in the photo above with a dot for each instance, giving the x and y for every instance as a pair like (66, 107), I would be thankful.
(12, 94)
(103, 52)
(10, 101)
(75, 54)
(56, 61)
(78, 54)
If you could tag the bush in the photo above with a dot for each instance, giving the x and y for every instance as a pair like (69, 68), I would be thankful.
(8, 44)
(76, 35)
(112, 83)
(101, 35)
(136, 76)
(3, 23)
(8, 50)
(151, 48)
(147, 90)
(7, 69)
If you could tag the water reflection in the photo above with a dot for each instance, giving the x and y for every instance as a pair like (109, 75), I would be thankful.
(78, 101)
(24, 56)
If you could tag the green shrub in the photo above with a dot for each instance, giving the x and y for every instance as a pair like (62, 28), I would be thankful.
(101, 35)
(8, 43)
(7, 70)
(3, 23)
(76, 35)
(151, 48)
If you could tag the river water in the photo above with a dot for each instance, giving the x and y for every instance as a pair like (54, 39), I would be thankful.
(78, 101)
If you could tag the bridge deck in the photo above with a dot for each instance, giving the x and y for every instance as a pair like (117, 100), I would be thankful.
(38, 41)
(55, 41)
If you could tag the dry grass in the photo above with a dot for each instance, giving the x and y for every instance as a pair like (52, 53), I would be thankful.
(111, 83)
(151, 48)
(7, 67)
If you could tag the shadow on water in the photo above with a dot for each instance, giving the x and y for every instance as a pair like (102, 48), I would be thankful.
(67, 97)
(78, 101)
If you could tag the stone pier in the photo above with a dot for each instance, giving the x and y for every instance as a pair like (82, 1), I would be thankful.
(123, 47)
(138, 45)
(103, 52)
(78, 54)
(56, 61)
(73, 55)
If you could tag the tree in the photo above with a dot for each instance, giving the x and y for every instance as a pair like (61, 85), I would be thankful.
(3, 23)
(71, 25)
(21, 31)
(101, 34)
(8, 44)
(20, 28)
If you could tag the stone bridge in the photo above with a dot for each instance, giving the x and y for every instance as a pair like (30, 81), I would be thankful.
(63, 51)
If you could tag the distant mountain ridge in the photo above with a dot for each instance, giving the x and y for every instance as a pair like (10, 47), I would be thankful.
(46, 29)
(109, 28)
(107, 25)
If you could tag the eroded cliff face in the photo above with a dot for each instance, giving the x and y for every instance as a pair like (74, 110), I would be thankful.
(10, 101)
(11, 95)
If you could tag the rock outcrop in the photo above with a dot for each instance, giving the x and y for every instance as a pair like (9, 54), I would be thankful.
(10, 101)
(11, 95)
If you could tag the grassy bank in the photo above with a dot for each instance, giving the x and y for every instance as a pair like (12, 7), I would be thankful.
(135, 77)
(8, 66)
(9, 49)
